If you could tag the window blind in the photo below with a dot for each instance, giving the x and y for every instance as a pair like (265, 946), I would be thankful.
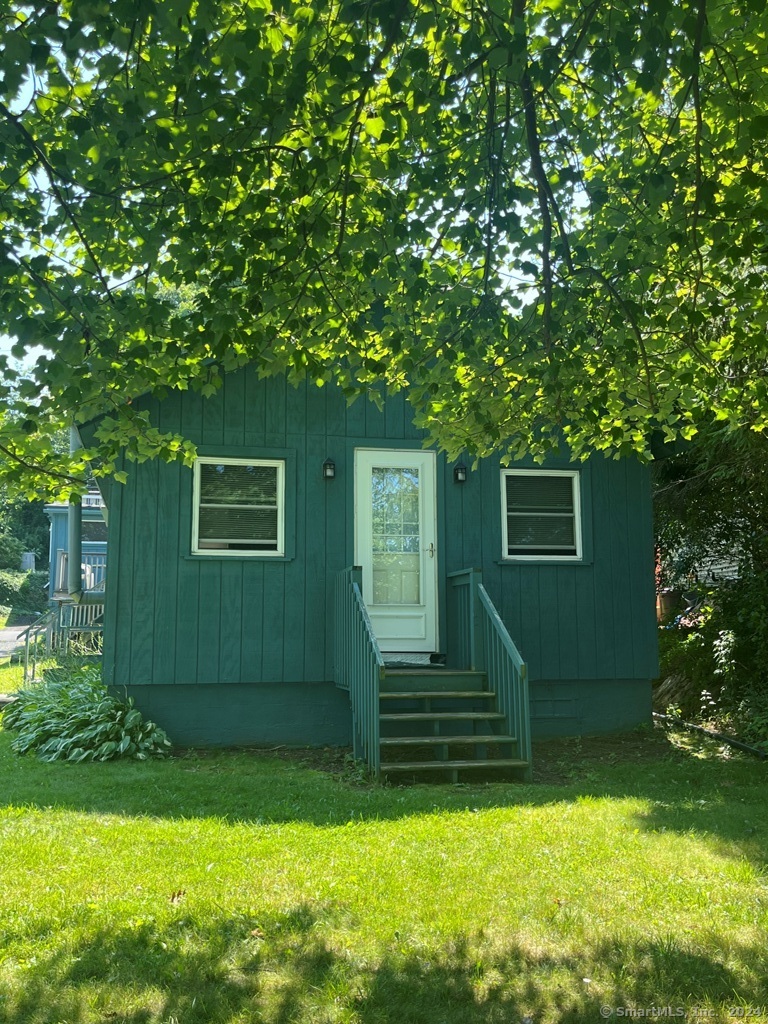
(239, 507)
(541, 514)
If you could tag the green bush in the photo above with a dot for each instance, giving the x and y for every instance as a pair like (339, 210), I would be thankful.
(10, 584)
(743, 606)
(715, 667)
(24, 591)
(11, 551)
(33, 592)
(73, 717)
(688, 654)
(747, 717)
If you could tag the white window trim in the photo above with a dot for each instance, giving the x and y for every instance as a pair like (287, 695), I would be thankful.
(279, 465)
(577, 532)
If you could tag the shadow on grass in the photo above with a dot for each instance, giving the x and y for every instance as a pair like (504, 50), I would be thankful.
(724, 799)
(284, 969)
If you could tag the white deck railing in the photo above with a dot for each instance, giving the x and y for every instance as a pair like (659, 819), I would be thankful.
(93, 569)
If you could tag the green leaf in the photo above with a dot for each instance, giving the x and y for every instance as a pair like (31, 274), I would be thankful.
(326, 158)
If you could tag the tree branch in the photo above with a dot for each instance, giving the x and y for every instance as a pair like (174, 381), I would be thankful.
(634, 327)
(534, 152)
(696, 94)
(78, 481)
(491, 185)
(389, 43)
(12, 119)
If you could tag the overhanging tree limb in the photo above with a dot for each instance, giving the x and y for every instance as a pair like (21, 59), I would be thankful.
(537, 165)
(41, 155)
(533, 175)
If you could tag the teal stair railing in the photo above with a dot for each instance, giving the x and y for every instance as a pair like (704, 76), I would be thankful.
(358, 665)
(507, 675)
(464, 625)
(481, 642)
(38, 642)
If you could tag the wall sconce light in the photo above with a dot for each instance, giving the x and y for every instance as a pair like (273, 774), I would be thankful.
(460, 473)
(329, 469)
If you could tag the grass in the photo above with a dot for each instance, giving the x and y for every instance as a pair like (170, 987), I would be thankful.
(241, 887)
(11, 676)
(12, 672)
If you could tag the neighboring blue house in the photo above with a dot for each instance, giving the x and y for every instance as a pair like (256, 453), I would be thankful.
(94, 545)
(78, 615)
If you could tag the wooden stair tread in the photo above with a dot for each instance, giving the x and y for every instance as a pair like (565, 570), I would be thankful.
(418, 766)
(435, 694)
(433, 670)
(433, 716)
(391, 741)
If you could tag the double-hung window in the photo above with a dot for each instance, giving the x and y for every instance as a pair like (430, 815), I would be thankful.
(239, 507)
(541, 515)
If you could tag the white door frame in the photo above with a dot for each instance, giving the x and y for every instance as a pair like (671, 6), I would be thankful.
(408, 628)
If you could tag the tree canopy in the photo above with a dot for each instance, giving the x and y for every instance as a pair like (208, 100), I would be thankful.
(546, 218)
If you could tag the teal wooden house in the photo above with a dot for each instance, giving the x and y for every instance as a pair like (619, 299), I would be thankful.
(321, 578)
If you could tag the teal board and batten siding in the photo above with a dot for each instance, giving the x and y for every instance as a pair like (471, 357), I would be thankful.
(238, 650)
(586, 629)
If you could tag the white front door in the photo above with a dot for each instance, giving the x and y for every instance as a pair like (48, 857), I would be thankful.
(396, 545)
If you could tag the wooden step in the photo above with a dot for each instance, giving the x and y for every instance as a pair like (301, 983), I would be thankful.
(443, 716)
(436, 694)
(433, 671)
(420, 766)
(415, 741)
(436, 679)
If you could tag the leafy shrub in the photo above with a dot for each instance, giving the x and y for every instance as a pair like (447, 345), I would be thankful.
(27, 520)
(85, 645)
(33, 592)
(744, 611)
(11, 551)
(24, 591)
(711, 523)
(688, 666)
(10, 584)
(715, 667)
(77, 719)
(748, 717)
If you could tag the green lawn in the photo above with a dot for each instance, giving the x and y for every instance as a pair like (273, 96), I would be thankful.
(11, 677)
(247, 888)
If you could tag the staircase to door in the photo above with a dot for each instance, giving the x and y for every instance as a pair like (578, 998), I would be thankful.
(445, 724)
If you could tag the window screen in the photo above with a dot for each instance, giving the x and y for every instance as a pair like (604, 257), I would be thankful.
(541, 514)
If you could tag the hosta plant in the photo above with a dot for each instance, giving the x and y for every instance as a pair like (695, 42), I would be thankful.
(78, 719)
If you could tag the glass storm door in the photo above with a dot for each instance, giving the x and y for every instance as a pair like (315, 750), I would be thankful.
(395, 543)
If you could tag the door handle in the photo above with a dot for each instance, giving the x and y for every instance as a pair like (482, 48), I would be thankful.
(431, 550)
